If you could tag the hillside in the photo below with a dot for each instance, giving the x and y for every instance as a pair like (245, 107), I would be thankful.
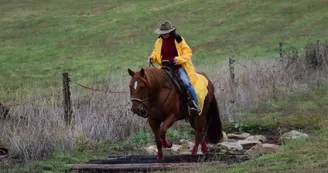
(95, 39)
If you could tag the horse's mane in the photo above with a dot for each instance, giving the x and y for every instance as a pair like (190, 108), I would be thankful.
(154, 77)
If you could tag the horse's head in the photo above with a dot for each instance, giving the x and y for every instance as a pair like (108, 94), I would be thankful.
(139, 92)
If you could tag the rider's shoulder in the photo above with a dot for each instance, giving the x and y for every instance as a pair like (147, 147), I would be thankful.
(178, 38)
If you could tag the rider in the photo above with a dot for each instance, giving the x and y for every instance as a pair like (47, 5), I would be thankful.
(172, 47)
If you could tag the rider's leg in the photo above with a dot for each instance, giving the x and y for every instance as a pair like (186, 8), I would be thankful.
(185, 79)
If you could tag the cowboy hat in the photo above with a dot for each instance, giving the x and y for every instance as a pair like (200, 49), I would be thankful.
(165, 27)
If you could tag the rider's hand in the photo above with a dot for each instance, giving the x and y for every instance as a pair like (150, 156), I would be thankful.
(175, 60)
(150, 59)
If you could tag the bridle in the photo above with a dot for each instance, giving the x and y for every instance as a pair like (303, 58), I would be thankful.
(142, 101)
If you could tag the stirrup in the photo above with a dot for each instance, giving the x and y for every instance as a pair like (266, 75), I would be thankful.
(193, 109)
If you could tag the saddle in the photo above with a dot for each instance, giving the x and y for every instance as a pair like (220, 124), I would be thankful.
(173, 74)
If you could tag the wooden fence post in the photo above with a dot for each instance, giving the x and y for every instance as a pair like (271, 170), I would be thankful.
(281, 51)
(232, 70)
(67, 103)
(232, 80)
(318, 46)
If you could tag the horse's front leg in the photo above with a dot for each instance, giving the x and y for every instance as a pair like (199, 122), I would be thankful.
(155, 126)
(162, 133)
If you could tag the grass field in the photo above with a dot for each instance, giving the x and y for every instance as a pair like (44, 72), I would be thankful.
(92, 39)
(96, 41)
(296, 156)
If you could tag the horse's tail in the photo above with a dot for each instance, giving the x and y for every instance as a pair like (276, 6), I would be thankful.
(213, 123)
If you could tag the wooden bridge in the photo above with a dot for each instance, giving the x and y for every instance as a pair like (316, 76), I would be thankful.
(147, 163)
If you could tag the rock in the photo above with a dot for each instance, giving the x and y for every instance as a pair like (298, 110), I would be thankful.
(257, 138)
(238, 136)
(151, 149)
(292, 135)
(231, 146)
(232, 140)
(176, 148)
(270, 148)
(225, 137)
(247, 144)
(187, 143)
(260, 149)
(186, 146)
(255, 151)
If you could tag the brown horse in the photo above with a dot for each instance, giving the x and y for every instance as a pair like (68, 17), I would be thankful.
(155, 97)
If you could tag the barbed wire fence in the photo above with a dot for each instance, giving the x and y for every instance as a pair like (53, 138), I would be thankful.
(67, 103)
(66, 92)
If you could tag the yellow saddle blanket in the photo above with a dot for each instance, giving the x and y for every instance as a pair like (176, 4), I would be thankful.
(201, 90)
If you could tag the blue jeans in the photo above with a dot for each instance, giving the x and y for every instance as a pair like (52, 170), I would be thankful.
(185, 79)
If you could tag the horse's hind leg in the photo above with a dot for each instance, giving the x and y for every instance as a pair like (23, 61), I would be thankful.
(166, 125)
(199, 127)
(194, 122)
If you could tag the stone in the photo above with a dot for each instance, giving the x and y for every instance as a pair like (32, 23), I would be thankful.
(151, 149)
(186, 146)
(176, 148)
(225, 137)
(270, 148)
(292, 135)
(238, 136)
(231, 146)
(247, 144)
(257, 138)
(255, 151)
(260, 149)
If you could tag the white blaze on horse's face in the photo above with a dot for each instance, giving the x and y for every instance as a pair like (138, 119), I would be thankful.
(135, 85)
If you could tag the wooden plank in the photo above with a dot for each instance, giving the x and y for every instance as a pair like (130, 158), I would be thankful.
(152, 159)
(143, 167)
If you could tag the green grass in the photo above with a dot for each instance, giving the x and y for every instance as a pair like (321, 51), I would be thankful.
(299, 109)
(296, 156)
(93, 39)
(90, 39)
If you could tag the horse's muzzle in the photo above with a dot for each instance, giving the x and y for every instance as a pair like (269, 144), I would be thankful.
(140, 111)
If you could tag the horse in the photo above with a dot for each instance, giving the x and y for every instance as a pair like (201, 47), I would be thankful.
(155, 97)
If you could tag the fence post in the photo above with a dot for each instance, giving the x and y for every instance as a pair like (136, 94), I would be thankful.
(232, 69)
(281, 51)
(67, 103)
(232, 80)
(318, 46)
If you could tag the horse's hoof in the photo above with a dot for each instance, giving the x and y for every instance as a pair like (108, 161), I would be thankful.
(166, 144)
(204, 148)
(194, 151)
(159, 156)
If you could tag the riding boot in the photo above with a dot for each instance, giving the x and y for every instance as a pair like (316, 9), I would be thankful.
(192, 107)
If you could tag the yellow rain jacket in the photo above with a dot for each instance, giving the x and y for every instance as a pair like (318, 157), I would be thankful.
(199, 82)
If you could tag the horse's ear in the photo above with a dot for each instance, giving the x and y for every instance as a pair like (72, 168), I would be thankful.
(142, 72)
(131, 73)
